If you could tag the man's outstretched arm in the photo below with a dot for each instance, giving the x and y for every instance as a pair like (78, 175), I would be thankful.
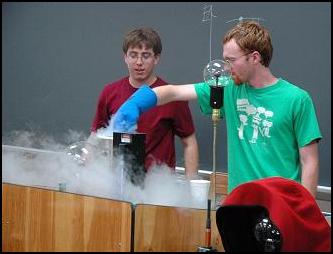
(146, 98)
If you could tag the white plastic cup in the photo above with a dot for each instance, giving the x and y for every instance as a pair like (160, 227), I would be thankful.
(199, 192)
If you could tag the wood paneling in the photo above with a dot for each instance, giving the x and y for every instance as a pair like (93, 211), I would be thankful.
(163, 228)
(36, 219)
(221, 187)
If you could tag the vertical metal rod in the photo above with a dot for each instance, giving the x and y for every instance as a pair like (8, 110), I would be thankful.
(214, 164)
(210, 35)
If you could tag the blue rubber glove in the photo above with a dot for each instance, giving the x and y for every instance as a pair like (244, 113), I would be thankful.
(126, 118)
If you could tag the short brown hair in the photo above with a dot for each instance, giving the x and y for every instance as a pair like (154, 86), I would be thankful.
(140, 37)
(251, 36)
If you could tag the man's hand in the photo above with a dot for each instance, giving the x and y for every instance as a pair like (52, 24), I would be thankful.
(126, 118)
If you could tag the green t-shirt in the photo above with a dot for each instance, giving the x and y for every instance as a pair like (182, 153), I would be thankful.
(266, 127)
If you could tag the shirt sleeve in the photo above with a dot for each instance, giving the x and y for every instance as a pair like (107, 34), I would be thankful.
(102, 115)
(203, 93)
(305, 122)
(183, 122)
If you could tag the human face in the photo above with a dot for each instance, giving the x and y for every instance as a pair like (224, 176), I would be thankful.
(238, 62)
(141, 63)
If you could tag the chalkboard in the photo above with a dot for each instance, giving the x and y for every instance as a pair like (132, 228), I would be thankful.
(56, 58)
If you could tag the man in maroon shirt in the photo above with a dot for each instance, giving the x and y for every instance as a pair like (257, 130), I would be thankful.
(142, 48)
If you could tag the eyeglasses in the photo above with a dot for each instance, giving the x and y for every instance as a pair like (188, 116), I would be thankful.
(134, 56)
(230, 61)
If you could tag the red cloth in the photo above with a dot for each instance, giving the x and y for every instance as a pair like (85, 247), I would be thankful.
(160, 124)
(292, 209)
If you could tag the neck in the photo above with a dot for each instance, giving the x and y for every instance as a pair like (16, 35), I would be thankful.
(138, 83)
(263, 78)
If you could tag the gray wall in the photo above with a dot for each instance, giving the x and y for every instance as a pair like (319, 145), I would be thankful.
(56, 58)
